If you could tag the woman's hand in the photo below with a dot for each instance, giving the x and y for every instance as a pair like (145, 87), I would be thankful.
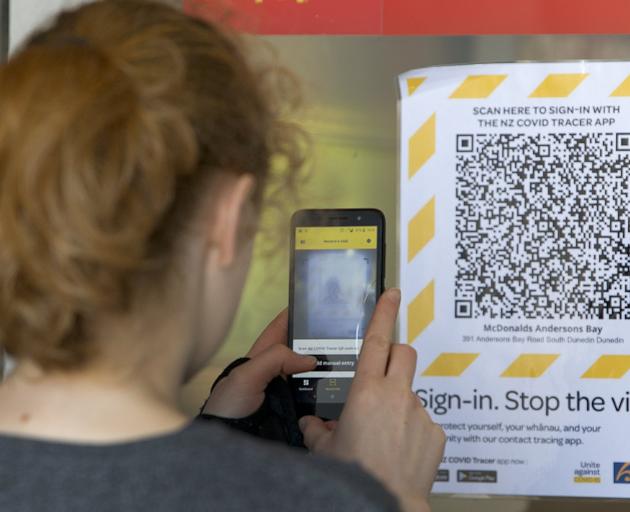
(242, 392)
(383, 426)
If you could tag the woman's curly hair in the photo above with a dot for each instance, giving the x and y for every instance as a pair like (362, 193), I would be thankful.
(113, 121)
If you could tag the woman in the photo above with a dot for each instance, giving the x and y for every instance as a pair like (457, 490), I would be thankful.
(135, 143)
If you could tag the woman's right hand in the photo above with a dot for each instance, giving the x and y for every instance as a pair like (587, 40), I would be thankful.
(383, 426)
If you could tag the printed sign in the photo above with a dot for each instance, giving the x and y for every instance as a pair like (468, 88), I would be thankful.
(515, 272)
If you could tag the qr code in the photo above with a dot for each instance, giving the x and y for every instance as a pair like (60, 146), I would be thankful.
(543, 226)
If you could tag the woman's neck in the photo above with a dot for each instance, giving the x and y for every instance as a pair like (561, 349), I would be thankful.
(128, 390)
(85, 407)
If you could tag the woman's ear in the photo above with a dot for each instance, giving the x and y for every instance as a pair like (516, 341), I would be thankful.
(231, 208)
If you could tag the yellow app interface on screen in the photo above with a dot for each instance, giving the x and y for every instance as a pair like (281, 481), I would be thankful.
(335, 286)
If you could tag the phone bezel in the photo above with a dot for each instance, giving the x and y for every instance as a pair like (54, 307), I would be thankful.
(324, 218)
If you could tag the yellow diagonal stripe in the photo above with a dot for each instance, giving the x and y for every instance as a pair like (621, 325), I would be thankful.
(608, 367)
(478, 86)
(558, 85)
(449, 364)
(421, 146)
(530, 365)
(414, 83)
(421, 229)
(623, 89)
(420, 312)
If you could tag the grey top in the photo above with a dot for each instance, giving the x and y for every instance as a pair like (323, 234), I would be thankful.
(204, 467)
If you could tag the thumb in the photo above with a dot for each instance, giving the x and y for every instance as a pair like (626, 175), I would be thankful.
(276, 360)
(315, 432)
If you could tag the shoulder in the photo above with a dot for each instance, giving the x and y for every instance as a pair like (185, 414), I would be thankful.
(202, 467)
(286, 477)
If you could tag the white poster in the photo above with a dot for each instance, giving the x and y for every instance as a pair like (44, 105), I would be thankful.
(515, 272)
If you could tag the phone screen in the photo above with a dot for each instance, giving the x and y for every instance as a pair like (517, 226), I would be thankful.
(336, 280)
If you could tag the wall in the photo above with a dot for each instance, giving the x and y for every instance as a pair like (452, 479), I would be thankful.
(28, 14)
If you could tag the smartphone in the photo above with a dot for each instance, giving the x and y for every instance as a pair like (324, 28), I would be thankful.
(337, 275)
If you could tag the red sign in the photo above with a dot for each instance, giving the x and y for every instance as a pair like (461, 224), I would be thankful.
(422, 17)
(294, 16)
(460, 17)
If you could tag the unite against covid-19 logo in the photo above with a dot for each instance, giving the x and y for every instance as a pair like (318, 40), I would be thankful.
(621, 472)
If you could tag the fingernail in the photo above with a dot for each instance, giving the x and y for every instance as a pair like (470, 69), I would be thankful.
(395, 293)
(312, 359)
(302, 422)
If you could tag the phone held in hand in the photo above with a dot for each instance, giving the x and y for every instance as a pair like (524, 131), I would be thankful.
(337, 275)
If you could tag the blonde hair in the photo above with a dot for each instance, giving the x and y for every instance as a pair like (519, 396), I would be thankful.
(112, 123)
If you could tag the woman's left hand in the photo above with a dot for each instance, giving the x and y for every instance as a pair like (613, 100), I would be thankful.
(242, 392)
